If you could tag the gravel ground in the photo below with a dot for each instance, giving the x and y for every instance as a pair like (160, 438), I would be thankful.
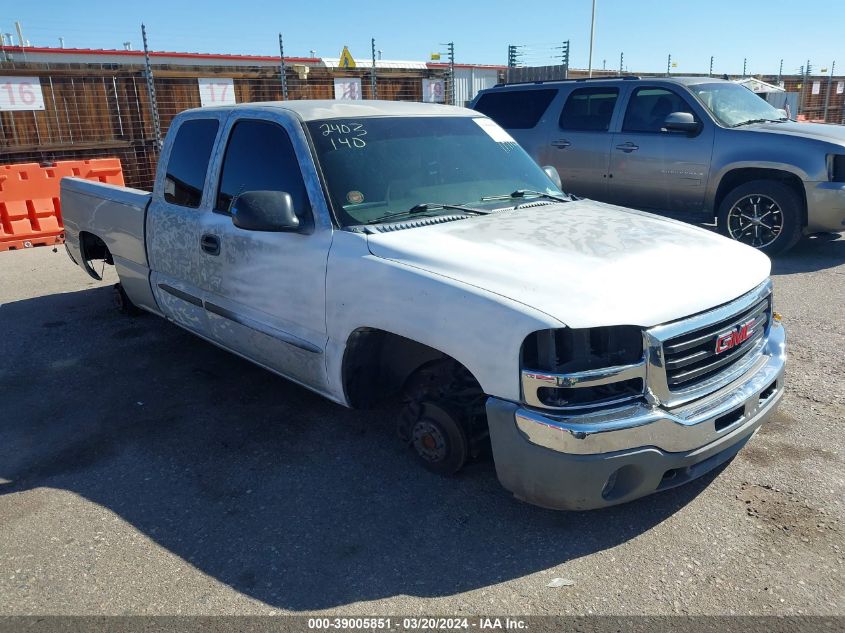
(143, 471)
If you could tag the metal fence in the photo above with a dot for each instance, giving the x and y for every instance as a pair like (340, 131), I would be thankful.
(106, 110)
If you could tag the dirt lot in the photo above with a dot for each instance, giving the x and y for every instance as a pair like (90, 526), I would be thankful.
(145, 471)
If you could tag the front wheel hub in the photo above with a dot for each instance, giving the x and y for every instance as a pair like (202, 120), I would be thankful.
(429, 441)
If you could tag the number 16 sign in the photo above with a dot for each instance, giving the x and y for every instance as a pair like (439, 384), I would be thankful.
(20, 93)
(215, 92)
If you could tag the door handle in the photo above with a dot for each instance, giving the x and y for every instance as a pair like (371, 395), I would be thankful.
(210, 244)
(628, 147)
(561, 144)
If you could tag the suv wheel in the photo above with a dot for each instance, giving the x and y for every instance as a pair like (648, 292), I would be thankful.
(765, 214)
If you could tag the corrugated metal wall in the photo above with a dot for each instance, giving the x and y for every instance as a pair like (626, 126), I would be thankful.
(468, 81)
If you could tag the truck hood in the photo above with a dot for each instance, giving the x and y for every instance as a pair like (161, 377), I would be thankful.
(815, 131)
(585, 263)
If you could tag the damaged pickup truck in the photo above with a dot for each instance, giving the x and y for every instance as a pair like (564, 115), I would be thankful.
(365, 250)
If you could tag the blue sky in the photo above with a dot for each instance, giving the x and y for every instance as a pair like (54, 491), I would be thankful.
(646, 30)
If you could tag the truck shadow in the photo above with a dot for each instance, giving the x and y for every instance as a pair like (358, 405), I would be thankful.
(280, 494)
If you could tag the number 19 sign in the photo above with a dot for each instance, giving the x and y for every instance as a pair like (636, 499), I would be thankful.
(20, 93)
(215, 92)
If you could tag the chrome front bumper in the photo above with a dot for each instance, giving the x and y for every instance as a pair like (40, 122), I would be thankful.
(738, 405)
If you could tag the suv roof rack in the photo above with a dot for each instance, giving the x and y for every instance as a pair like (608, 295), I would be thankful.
(557, 81)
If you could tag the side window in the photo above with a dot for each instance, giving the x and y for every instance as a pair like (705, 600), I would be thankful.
(260, 157)
(188, 162)
(589, 109)
(649, 107)
(515, 109)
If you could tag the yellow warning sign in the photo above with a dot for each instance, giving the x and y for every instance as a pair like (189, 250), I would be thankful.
(346, 60)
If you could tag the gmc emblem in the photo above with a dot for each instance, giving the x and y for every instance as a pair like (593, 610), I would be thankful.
(735, 337)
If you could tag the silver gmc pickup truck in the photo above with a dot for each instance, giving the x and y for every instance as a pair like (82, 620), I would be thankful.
(696, 148)
(370, 249)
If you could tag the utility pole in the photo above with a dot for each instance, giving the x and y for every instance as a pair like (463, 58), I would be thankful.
(621, 63)
(592, 37)
(710, 74)
(282, 69)
(151, 90)
(827, 94)
(780, 72)
(373, 83)
(669, 65)
(744, 65)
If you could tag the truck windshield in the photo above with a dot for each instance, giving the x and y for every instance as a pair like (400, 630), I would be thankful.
(735, 105)
(377, 168)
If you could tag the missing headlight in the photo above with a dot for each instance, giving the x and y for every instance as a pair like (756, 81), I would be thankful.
(570, 349)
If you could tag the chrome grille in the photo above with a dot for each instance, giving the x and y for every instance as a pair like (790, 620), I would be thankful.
(691, 358)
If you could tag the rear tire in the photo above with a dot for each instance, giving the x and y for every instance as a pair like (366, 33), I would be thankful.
(123, 303)
(765, 214)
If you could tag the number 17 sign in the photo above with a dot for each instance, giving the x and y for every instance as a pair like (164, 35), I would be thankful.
(20, 93)
(216, 92)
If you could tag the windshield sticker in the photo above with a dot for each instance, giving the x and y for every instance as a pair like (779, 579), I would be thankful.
(355, 197)
(494, 131)
(342, 135)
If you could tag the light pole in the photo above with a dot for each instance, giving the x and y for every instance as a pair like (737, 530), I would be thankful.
(592, 36)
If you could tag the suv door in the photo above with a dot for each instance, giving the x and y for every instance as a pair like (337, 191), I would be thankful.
(652, 168)
(173, 220)
(265, 291)
(579, 144)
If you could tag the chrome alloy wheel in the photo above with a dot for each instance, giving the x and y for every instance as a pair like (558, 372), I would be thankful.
(756, 220)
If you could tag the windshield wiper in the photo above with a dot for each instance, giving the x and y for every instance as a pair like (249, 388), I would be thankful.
(750, 121)
(426, 206)
(521, 193)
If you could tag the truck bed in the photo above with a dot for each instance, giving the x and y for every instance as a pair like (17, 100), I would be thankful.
(114, 214)
(97, 214)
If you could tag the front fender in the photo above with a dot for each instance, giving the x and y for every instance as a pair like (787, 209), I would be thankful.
(481, 330)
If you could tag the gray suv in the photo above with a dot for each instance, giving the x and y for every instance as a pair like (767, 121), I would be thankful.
(697, 148)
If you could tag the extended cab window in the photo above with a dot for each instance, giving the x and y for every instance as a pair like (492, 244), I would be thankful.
(260, 157)
(515, 109)
(589, 109)
(188, 162)
(649, 107)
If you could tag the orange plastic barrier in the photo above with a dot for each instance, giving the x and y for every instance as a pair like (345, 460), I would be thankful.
(30, 211)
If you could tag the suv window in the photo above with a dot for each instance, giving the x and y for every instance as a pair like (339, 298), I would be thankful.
(260, 157)
(515, 109)
(649, 107)
(589, 109)
(188, 162)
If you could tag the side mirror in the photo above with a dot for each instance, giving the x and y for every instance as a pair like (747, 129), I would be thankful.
(264, 211)
(551, 172)
(681, 122)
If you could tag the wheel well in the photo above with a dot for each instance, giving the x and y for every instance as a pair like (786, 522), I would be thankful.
(379, 364)
(737, 177)
(92, 247)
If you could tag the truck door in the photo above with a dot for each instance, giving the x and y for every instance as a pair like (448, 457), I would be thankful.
(652, 168)
(579, 145)
(264, 291)
(173, 219)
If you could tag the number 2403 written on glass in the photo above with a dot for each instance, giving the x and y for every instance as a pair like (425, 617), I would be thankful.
(343, 134)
